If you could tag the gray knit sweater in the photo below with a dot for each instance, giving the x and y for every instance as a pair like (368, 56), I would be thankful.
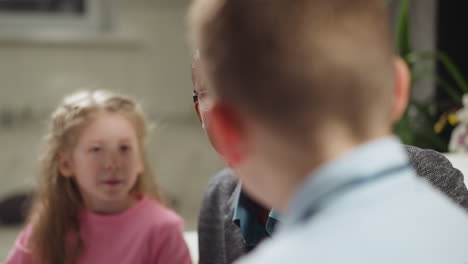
(220, 241)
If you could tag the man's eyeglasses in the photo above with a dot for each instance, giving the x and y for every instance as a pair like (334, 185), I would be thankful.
(203, 99)
(195, 96)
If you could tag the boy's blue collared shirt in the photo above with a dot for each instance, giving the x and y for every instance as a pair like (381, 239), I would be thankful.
(368, 206)
(366, 163)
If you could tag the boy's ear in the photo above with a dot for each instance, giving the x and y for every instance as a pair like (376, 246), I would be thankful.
(228, 133)
(401, 88)
(65, 166)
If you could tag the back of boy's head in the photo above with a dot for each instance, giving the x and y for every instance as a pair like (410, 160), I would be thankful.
(295, 64)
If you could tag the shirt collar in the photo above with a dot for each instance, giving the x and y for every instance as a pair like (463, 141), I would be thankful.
(246, 219)
(364, 161)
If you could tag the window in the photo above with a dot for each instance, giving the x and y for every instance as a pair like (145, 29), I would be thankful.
(54, 16)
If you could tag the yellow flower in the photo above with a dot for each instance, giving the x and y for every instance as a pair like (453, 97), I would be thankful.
(452, 119)
(438, 127)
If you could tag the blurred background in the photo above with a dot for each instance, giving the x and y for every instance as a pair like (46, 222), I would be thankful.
(138, 47)
(50, 48)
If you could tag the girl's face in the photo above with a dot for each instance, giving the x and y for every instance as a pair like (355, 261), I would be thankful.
(105, 162)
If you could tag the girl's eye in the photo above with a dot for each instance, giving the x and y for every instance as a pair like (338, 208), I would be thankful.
(124, 148)
(95, 149)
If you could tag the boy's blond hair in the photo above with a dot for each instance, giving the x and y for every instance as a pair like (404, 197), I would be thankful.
(295, 63)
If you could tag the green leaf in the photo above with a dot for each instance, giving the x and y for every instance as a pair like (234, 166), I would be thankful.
(403, 43)
(448, 64)
(452, 92)
(421, 72)
(453, 70)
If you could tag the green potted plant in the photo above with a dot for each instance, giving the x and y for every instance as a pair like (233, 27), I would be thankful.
(423, 123)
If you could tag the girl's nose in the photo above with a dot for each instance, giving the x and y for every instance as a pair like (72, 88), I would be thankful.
(113, 162)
